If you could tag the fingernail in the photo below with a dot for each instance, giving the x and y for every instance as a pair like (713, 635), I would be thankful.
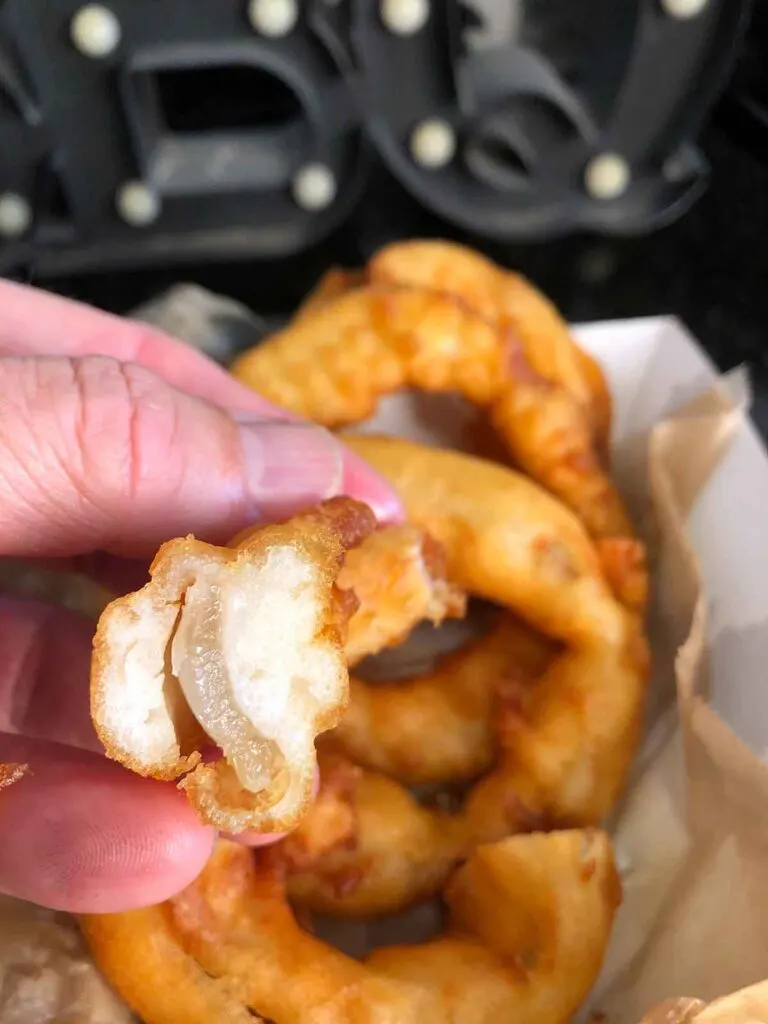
(364, 483)
(289, 465)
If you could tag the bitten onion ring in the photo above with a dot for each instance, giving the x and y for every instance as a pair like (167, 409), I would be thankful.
(530, 918)
(567, 739)
(334, 364)
(241, 648)
(398, 576)
(244, 648)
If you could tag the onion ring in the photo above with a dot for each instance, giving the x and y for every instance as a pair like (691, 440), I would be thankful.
(172, 674)
(508, 301)
(398, 576)
(529, 922)
(567, 739)
(437, 726)
(334, 283)
(333, 365)
(172, 677)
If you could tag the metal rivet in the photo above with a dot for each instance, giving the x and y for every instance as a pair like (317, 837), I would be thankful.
(95, 31)
(15, 215)
(273, 18)
(137, 204)
(607, 176)
(314, 187)
(404, 17)
(433, 143)
(683, 9)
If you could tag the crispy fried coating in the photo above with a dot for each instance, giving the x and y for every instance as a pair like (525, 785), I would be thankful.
(505, 538)
(333, 365)
(529, 922)
(569, 740)
(437, 727)
(390, 853)
(237, 648)
(334, 283)
(398, 576)
(508, 301)
(566, 737)
(12, 773)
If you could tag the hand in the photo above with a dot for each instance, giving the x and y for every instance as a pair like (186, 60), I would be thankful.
(113, 438)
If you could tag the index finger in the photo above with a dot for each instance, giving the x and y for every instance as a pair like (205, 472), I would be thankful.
(36, 322)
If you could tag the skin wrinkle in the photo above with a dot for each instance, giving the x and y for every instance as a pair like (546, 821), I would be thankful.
(34, 379)
(13, 441)
(130, 836)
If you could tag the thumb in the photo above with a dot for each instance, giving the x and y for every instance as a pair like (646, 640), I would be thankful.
(95, 453)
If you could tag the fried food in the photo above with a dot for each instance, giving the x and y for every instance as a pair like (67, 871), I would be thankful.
(398, 575)
(566, 737)
(237, 648)
(368, 847)
(509, 302)
(334, 283)
(437, 727)
(570, 738)
(12, 773)
(334, 364)
(529, 923)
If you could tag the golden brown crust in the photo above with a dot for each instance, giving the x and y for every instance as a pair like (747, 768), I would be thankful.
(149, 617)
(438, 726)
(530, 920)
(508, 301)
(334, 283)
(566, 739)
(12, 773)
(376, 340)
(399, 577)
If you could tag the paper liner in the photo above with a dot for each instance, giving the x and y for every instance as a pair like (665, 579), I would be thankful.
(692, 830)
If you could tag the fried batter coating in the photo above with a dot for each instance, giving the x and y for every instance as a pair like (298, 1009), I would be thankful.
(529, 923)
(398, 576)
(239, 648)
(437, 727)
(334, 283)
(334, 365)
(506, 540)
(12, 773)
(508, 301)
(388, 853)
(566, 739)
